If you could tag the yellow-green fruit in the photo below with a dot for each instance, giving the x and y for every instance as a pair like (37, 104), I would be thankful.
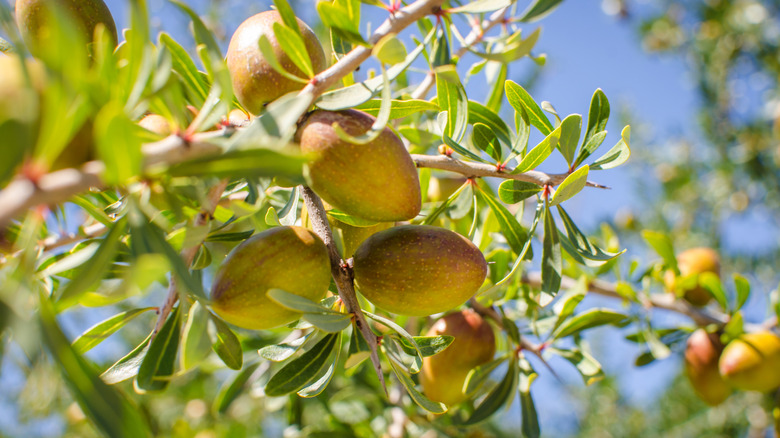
(293, 259)
(440, 188)
(418, 270)
(255, 82)
(443, 375)
(752, 362)
(32, 17)
(693, 262)
(375, 181)
(701, 365)
(157, 124)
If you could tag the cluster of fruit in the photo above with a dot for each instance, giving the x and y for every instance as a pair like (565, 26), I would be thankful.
(749, 362)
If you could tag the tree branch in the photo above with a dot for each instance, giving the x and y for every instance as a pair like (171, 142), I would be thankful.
(342, 274)
(471, 169)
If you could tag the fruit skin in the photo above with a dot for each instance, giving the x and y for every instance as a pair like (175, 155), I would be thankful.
(31, 16)
(293, 259)
(752, 362)
(157, 124)
(442, 376)
(255, 82)
(440, 188)
(418, 270)
(352, 237)
(690, 262)
(376, 181)
(701, 366)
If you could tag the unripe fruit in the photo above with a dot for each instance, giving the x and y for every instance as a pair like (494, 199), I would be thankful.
(418, 270)
(255, 82)
(352, 237)
(440, 188)
(157, 124)
(442, 376)
(752, 362)
(690, 262)
(701, 365)
(32, 16)
(293, 259)
(375, 181)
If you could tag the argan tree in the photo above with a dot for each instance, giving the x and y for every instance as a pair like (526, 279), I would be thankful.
(280, 238)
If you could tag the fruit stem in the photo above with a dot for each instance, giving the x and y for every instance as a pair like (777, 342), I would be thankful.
(342, 274)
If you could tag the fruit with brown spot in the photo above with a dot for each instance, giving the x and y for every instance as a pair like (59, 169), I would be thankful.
(293, 259)
(376, 181)
(691, 262)
(443, 375)
(255, 82)
(701, 366)
(418, 270)
(752, 362)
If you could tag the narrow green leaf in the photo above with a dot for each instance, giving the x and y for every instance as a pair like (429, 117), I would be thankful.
(519, 98)
(539, 153)
(440, 52)
(484, 138)
(100, 331)
(589, 319)
(530, 419)
(580, 242)
(107, 407)
(389, 50)
(418, 397)
(428, 345)
(452, 99)
(481, 6)
(195, 343)
(288, 16)
(587, 365)
(127, 367)
(538, 9)
(244, 164)
(462, 150)
(742, 287)
(338, 20)
(598, 115)
(566, 304)
(501, 395)
(616, 156)
(183, 65)
(118, 144)
(511, 52)
(294, 376)
(226, 344)
(479, 375)
(571, 129)
(328, 322)
(711, 282)
(233, 388)
(94, 269)
(292, 44)
(662, 244)
(551, 255)
(359, 350)
(158, 365)
(282, 352)
(398, 108)
(512, 191)
(479, 113)
(319, 382)
(379, 125)
(269, 55)
(516, 236)
(573, 184)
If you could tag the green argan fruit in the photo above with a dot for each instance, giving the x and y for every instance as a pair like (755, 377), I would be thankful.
(418, 270)
(752, 362)
(443, 375)
(701, 365)
(32, 16)
(693, 262)
(157, 124)
(255, 82)
(375, 181)
(293, 259)
(440, 188)
(352, 237)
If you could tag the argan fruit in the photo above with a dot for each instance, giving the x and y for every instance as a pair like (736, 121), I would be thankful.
(418, 270)
(376, 181)
(441, 188)
(293, 259)
(443, 375)
(752, 362)
(693, 262)
(701, 365)
(32, 16)
(238, 117)
(157, 124)
(255, 82)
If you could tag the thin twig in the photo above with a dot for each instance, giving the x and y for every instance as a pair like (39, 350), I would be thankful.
(188, 254)
(342, 274)
(471, 169)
